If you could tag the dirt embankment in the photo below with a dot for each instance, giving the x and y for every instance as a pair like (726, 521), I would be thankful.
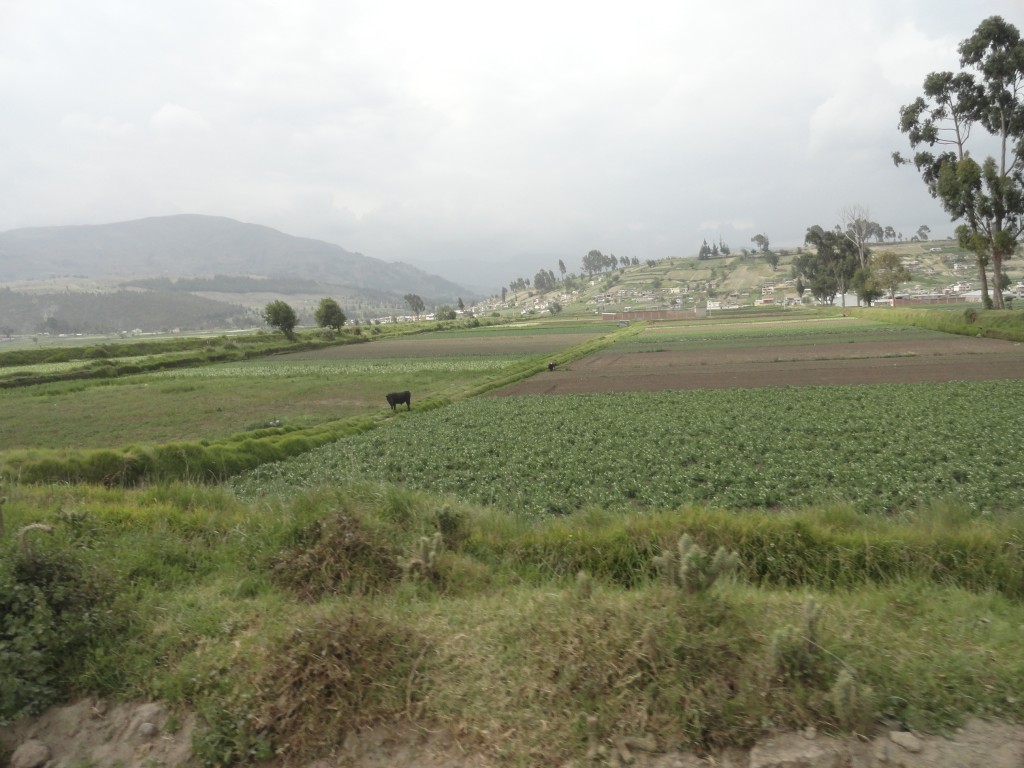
(146, 735)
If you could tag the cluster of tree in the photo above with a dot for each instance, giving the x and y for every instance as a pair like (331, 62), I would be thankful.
(714, 250)
(986, 197)
(279, 314)
(595, 261)
(841, 261)
(545, 279)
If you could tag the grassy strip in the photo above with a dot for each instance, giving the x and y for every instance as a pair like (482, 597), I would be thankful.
(1005, 324)
(103, 369)
(216, 461)
(111, 360)
(287, 627)
(835, 548)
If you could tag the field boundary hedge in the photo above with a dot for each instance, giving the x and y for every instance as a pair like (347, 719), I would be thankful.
(1004, 324)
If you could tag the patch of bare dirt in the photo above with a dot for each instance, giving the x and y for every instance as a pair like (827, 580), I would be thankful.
(93, 733)
(877, 362)
(141, 736)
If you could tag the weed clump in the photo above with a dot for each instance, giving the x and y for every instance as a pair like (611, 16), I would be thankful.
(853, 703)
(337, 555)
(691, 568)
(423, 563)
(346, 672)
(796, 650)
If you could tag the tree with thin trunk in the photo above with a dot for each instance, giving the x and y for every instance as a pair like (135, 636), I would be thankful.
(416, 305)
(857, 227)
(987, 197)
(329, 314)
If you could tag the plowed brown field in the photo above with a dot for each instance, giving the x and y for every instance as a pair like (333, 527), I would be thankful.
(766, 365)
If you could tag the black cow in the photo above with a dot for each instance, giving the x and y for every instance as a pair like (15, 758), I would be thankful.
(397, 398)
(551, 366)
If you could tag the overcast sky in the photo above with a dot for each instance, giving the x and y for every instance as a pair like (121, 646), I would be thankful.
(479, 140)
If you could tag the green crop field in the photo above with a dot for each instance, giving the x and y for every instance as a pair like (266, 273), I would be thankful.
(790, 333)
(880, 448)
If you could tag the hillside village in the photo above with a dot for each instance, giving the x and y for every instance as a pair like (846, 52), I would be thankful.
(941, 273)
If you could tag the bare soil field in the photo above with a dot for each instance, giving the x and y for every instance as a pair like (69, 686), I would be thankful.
(954, 358)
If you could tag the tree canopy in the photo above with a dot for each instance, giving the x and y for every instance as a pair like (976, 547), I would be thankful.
(329, 314)
(987, 197)
(829, 269)
(279, 314)
(416, 305)
(890, 272)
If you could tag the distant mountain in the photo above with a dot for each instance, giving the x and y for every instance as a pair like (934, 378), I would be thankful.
(191, 245)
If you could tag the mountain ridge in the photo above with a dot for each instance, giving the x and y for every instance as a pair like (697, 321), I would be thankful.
(187, 245)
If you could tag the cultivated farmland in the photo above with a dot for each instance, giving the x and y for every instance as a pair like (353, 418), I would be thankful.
(697, 420)
(881, 448)
(818, 352)
(526, 605)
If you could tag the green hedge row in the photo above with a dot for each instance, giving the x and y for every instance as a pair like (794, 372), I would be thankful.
(1006, 324)
(797, 549)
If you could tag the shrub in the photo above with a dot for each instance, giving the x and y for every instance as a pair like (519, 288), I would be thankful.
(53, 608)
(336, 555)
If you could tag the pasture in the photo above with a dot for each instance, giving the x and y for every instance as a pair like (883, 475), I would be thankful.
(297, 390)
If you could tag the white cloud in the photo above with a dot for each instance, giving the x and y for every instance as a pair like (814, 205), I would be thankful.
(470, 131)
(174, 118)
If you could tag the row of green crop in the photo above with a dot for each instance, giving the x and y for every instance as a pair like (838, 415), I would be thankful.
(126, 349)
(119, 359)
(880, 448)
(791, 334)
(276, 368)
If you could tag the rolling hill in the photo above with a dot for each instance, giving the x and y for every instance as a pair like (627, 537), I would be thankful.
(162, 256)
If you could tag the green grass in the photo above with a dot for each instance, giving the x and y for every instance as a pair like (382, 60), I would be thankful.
(216, 401)
(995, 324)
(877, 529)
(726, 336)
(211, 610)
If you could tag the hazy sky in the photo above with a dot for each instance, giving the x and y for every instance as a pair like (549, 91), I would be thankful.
(480, 140)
